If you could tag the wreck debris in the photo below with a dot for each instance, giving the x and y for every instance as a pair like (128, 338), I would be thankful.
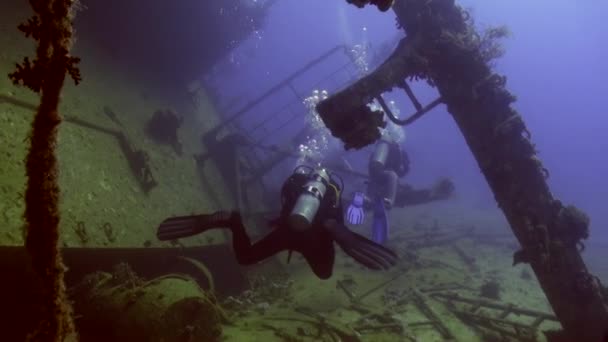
(284, 335)
(490, 289)
(139, 162)
(401, 272)
(325, 327)
(420, 111)
(446, 287)
(439, 36)
(435, 238)
(347, 286)
(506, 309)
(341, 332)
(503, 327)
(201, 268)
(108, 231)
(263, 291)
(81, 232)
(419, 300)
(162, 128)
(111, 115)
(499, 324)
(466, 259)
(375, 320)
(120, 306)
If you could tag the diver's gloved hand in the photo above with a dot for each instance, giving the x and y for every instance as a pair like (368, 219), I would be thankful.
(355, 214)
(443, 189)
(363, 250)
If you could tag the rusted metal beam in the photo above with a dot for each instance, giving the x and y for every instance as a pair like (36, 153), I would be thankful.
(443, 49)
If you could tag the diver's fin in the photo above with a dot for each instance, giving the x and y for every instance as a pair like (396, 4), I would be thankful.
(366, 252)
(184, 226)
(379, 223)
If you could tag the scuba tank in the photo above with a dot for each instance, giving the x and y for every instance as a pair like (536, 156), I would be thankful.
(309, 200)
(384, 179)
(379, 157)
(390, 185)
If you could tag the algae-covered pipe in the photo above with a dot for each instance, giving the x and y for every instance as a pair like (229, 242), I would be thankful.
(51, 27)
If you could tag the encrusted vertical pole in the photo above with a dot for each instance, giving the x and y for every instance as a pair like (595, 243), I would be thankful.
(456, 61)
(443, 48)
(51, 26)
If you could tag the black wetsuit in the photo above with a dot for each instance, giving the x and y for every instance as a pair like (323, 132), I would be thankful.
(316, 244)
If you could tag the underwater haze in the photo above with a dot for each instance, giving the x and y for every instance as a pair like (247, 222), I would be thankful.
(204, 198)
(554, 59)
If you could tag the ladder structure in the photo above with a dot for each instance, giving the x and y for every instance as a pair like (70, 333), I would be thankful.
(442, 48)
(269, 139)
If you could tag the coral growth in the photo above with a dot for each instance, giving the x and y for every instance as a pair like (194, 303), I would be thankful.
(51, 26)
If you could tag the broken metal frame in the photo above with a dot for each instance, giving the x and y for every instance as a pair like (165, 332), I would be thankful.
(500, 323)
(442, 48)
(506, 309)
(416, 296)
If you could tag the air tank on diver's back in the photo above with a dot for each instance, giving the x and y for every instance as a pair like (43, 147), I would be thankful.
(309, 200)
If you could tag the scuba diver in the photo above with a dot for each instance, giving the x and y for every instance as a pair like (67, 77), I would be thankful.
(387, 164)
(310, 221)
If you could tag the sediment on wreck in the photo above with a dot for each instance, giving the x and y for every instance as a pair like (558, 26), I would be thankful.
(443, 48)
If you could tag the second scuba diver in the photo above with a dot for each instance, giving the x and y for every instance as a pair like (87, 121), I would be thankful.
(387, 164)
(310, 221)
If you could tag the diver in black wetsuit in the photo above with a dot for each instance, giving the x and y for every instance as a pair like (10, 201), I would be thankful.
(311, 220)
(388, 163)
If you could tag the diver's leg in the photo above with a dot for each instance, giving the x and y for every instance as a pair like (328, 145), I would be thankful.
(390, 184)
(246, 253)
(318, 250)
